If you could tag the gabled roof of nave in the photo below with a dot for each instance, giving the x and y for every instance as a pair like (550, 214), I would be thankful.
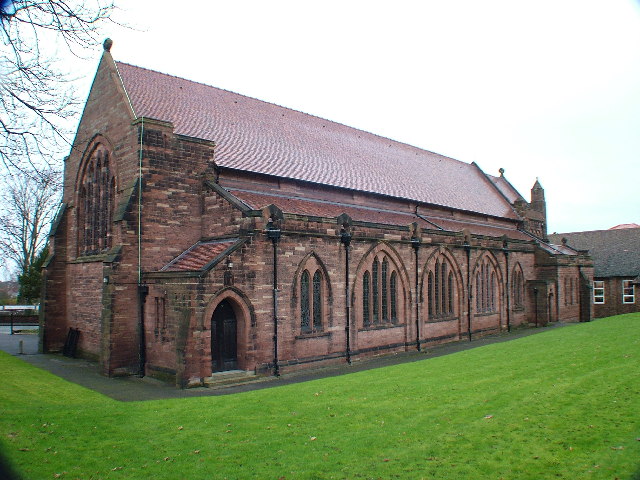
(256, 136)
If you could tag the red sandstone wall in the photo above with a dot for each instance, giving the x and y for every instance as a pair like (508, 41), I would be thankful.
(84, 306)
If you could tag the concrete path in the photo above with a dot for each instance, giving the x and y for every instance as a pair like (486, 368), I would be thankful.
(128, 389)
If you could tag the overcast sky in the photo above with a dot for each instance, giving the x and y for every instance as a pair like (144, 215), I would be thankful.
(546, 89)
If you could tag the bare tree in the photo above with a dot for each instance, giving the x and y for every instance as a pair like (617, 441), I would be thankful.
(30, 204)
(37, 98)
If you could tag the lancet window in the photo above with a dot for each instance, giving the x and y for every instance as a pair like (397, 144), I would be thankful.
(517, 288)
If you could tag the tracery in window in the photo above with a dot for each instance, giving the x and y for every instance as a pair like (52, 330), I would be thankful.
(442, 290)
(96, 203)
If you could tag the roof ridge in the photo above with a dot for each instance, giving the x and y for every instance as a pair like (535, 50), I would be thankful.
(296, 111)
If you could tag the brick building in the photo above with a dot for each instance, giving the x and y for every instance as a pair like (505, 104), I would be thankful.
(616, 261)
(202, 231)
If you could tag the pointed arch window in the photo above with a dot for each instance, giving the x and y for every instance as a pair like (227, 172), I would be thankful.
(517, 290)
(430, 293)
(96, 197)
(381, 293)
(366, 297)
(317, 300)
(486, 288)
(312, 299)
(442, 289)
(305, 305)
(384, 285)
(437, 287)
(376, 290)
(393, 286)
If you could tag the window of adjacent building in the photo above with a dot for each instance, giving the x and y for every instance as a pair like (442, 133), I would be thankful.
(628, 291)
(96, 203)
(380, 293)
(441, 289)
(598, 292)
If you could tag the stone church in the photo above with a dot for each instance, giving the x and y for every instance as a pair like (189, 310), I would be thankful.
(202, 231)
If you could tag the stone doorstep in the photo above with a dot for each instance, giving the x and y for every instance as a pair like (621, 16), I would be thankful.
(231, 378)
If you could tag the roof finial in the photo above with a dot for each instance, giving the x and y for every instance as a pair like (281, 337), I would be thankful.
(501, 170)
(107, 44)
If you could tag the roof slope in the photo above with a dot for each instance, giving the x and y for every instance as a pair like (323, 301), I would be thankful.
(256, 136)
(615, 253)
(506, 188)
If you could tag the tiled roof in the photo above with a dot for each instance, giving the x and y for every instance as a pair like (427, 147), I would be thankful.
(198, 256)
(256, 136)
(328, 209)
(506, 188)
(615, 253)
(625, 225)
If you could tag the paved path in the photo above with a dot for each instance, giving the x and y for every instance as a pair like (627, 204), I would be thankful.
(126, 389)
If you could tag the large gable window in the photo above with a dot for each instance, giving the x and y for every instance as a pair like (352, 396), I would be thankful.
(97, 189)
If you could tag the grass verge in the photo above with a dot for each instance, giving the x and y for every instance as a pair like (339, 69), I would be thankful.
(562, 404)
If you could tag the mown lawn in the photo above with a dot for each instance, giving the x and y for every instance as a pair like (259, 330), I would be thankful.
(564, 404)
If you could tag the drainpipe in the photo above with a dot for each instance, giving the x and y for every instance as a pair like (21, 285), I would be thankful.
(143, 291)
(273, 234)
(415, 243)
(345, 239)
(467, 247)
(535, 302)
(505, 249)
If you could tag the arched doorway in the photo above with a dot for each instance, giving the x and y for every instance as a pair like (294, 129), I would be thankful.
(224, 343)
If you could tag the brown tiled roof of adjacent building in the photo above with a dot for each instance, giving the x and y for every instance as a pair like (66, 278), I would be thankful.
(256, 136)
(615, 253)
(625, 225)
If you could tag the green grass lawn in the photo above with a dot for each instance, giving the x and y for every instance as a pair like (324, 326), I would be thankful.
(562, 404)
